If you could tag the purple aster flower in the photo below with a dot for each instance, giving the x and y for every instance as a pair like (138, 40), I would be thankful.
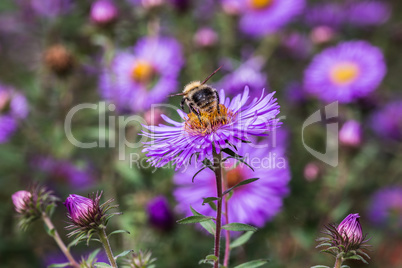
(351, 134)
(63, 171)
(247, 74)
(351, 230)
(235, 122)
(254, 203)
(345, 72)
(261, 17)
(386, 206)
(367, 13)
(387, 122)
(13, 107)
(20, 200)
(143, 76)
(325, 14)
(159, 213)
(103, 12)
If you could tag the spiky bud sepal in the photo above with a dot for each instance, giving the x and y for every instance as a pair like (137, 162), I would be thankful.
(142, 259)
(87, 215)
(346, 240)
(30, 205)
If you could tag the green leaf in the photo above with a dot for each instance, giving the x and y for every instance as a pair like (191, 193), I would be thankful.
(124, 253)
(239, 227)
(102, 265)
(59, 265)
(252, 264)
(194, 219)
(240, 184)
(211, 257)
(241, 240)
(118, 232)
(237, 157)
(209, 199)
(207, 225)
(93, 255)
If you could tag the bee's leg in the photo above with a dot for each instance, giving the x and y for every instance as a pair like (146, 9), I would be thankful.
(195, 112)
(182, 103)
(217, 99)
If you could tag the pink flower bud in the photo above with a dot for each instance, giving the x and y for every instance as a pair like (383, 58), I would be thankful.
(20, 200)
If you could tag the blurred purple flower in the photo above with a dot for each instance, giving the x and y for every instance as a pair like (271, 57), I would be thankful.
(262, 17)
(387, 122)
(64, 171)
(20, 200)
(297, 45)
(13, 107)
(294, 93)
(205, 37)
(159, 214)
(311, 171)
(254, 203)
(103, 12)
(351, 134)
(322, 34)
(325, 14)
(45, 8)
(144, 76)
(367, 13)
(351, 230)
(235, 122)
(386, 206)
(346, 72)
(247, 74)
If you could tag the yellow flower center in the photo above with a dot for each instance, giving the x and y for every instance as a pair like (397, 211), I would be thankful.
(210, 121)
(260, 4)
(344, 73)
(234, 176)
(142, 71)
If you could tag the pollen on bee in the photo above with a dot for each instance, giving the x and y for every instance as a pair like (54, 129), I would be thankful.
(210, 121)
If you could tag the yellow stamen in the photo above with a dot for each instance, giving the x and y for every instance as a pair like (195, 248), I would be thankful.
(234, 176)
(260, 4)
(210, 121)
(344, 73)
(142, 71)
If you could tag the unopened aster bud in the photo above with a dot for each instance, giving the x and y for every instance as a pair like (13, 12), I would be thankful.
(351, 134)
(103, 12)
(142, 259)
(21, 200)
(345, 241)
(58, 59)
(205, 37)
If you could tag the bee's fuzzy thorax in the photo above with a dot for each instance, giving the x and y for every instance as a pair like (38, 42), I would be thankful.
(191, 85)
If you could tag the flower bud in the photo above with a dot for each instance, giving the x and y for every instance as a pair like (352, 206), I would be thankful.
(205, 37)
(311, 171)
(58, 59)
(351, 230)
(351, 134)
(142, 259)
(103, 12)
(21, 200)
(83, 211)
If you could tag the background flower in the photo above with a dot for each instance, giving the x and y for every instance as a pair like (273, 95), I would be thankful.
(386, 121)
(386, 206)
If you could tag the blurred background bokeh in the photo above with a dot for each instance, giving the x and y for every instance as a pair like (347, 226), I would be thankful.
(57, 54)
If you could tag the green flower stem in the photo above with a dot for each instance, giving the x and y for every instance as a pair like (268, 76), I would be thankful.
(218, 175)
(106, 245)
(58, 240)
(338, 262)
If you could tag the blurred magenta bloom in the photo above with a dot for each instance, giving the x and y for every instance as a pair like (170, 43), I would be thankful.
(66, 172)
(159, 213)
(13, 107)
(345, 72)
(367, 13)
(237, 121)
(351, 134)
(103, 12)
(386, 206)
(387, 121)
(322, 34)
(205, 37)
(247, 74)
(20, 200)
(311, 171)
(81, 210)
(262, 17)
(255, 203)
(143, 75)
(351, 230)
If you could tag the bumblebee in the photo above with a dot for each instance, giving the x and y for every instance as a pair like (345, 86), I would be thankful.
(200, 98)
